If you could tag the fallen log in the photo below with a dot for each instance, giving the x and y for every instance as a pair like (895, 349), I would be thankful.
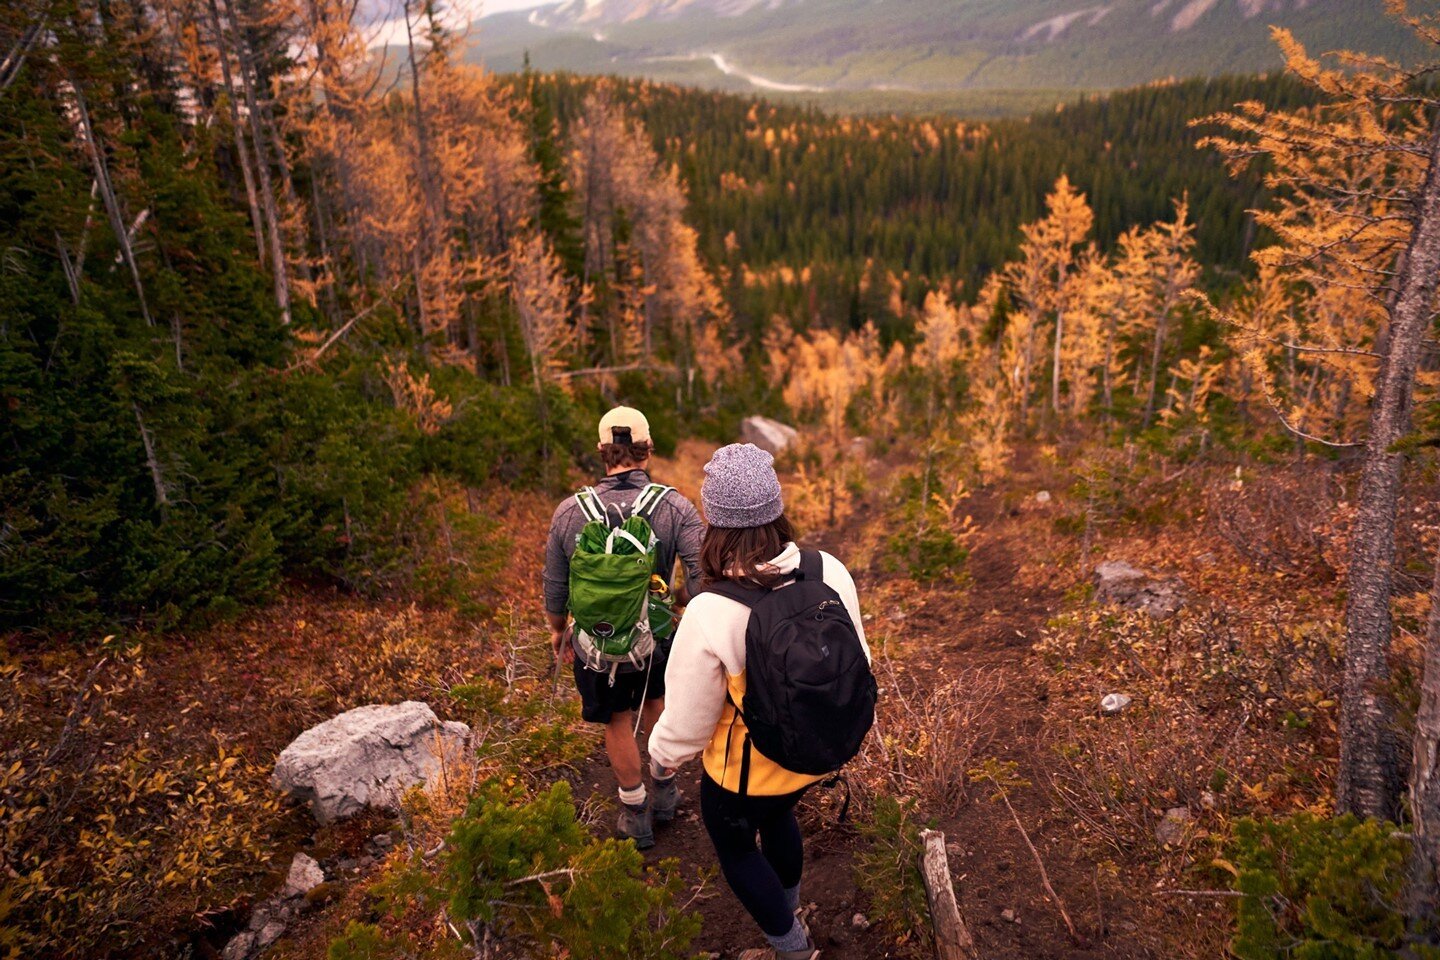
(952, 939)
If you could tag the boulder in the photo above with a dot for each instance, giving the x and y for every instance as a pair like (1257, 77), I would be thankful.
(305, 875)
(1125, 586)
(366, 757)
(769, 435)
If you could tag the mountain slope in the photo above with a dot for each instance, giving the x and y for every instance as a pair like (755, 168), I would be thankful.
(817, 46)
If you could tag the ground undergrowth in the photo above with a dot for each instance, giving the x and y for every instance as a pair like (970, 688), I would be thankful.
(139, 821)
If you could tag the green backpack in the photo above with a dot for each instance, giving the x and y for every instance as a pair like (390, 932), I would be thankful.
(620, 603)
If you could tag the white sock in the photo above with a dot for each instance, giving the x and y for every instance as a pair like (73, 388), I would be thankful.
(634, 797)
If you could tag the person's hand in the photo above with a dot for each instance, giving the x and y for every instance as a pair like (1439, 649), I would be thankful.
(560, 645)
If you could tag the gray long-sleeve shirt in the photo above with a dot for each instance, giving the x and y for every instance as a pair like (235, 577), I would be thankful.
(676, 523)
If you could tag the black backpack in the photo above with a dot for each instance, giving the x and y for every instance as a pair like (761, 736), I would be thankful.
(809, 693)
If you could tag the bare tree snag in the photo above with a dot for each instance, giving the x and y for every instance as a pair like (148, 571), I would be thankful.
(262, 165)
(952, 939)
(107, 194)
(1369, 779)
(242, 153)
(1423, 897)
(162, 499)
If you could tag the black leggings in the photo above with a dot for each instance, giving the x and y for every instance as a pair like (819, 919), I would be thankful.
(759, 877)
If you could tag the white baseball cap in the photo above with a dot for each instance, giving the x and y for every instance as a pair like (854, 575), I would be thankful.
(625, 418)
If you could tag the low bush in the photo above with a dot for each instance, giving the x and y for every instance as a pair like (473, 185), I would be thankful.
(523, 870)
(104, 843)
(1318, 889)
(887, 870)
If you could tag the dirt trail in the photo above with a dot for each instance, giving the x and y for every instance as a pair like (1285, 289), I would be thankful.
(988, 625)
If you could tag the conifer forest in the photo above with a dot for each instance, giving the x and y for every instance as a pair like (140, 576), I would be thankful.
(1123, 415)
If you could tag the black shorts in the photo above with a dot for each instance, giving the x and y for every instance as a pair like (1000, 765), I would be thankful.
(599, 700)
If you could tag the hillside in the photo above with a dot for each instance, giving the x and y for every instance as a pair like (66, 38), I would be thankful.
(845, 209)
(928, 53)
(1126, 438)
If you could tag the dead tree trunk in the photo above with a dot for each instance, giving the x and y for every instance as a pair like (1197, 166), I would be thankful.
(152, 462)
(262, 166)
(952, 939)
(1369, 777)
(242, 153)
(108, 196)
(1423, 896)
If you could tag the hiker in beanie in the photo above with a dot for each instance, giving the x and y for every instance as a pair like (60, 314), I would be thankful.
(769, 679)
(619, 663)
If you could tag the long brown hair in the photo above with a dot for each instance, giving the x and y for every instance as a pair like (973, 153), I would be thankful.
(741, 553)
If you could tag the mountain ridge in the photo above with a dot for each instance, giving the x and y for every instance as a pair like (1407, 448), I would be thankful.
(811, 48)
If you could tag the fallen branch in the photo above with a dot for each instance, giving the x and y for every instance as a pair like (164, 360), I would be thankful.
(330, 341)
(601, 371)
(1200, 893)
(1044, 874)
(952, 939)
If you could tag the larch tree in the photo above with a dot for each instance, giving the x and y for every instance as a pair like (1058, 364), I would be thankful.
(1050, 253)
(1173, 272)
(1359, 181)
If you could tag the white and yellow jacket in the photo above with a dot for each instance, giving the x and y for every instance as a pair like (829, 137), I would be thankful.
(707, 662)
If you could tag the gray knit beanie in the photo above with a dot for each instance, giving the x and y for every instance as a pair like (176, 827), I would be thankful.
(740, 488)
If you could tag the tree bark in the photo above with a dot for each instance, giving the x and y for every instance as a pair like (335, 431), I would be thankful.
(1368, 783)
(1423, 896)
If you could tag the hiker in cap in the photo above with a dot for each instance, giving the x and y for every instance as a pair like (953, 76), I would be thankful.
(770, 681)
(609, 570)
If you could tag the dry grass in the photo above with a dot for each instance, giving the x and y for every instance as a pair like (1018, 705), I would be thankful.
(926, 736)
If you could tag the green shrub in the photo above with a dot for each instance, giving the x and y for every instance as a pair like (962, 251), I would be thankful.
(1318, 889)
(888, 870)
(530, 872)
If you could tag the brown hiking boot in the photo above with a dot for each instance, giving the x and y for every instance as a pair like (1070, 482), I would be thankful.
(636, 823)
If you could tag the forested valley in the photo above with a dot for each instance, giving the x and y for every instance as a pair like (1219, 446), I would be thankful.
(1123, 414)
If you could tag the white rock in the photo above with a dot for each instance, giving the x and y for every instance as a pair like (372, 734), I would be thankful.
(269, 934)
(366, 757)
(305, 875)
(1009, 915)
(1173, 826)
(860, 922)
(1043, 496)
(1115, 702)
(769, 435)
(239, 947)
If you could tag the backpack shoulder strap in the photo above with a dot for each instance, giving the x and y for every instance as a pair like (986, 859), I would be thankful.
(737, 592)
(590, 505)
(812, 566)
(649, 499)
